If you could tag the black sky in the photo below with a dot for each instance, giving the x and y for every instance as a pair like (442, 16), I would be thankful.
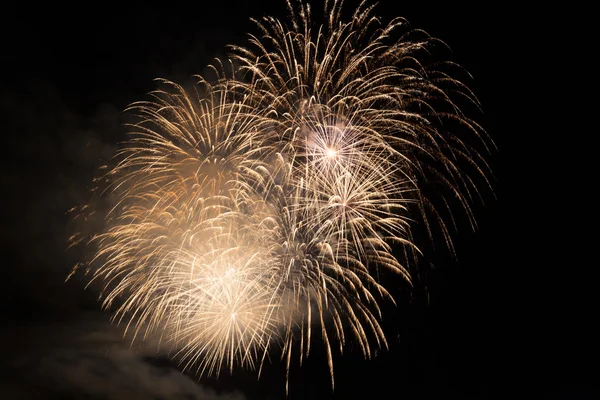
(511, 318)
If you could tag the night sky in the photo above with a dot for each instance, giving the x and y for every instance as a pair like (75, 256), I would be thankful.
(511, 317)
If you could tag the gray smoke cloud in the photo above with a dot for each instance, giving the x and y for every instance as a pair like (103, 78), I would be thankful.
(89, 358)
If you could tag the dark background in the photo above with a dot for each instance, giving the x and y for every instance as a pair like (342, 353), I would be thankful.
(511, 317)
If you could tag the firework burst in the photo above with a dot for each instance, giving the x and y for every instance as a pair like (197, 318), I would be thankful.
(364, 124)
(254, 212)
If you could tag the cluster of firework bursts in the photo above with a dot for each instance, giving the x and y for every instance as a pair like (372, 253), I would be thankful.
(254, 212)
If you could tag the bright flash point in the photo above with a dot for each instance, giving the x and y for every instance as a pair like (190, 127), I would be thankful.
(331, 153)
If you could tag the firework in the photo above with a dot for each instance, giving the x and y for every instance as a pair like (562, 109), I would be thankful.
(186, 250)
(363, 124)
(256, 211)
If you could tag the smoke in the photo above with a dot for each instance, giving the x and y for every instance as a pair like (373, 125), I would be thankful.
(53, 156)
(91, 359)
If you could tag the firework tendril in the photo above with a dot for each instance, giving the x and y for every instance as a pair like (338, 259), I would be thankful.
(255, 212)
